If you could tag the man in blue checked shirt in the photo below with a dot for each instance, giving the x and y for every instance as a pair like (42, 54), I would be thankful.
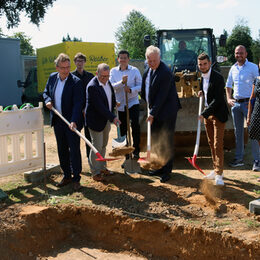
(127, 78)
(241, 77)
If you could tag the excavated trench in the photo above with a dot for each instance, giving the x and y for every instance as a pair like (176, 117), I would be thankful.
(36, 232)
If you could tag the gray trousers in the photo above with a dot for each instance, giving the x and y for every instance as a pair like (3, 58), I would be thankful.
(99, 140)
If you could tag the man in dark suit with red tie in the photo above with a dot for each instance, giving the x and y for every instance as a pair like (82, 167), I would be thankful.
(214, 115)
(159, 91)
(64, 91)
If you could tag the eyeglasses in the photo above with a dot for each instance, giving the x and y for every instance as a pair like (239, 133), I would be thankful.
(80, 61)
(64, 68)
(104, 76)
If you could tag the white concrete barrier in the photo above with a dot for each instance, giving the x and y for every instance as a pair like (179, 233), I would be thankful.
(21, 140)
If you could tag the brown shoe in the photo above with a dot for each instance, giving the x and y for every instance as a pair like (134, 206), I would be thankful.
(76, 186)
(98, 177)
(64, 182)
(106, 172)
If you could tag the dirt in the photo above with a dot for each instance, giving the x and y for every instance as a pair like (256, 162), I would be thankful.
(121, 151)
(133, 216)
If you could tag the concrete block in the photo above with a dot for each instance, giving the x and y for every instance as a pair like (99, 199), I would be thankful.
(254, 206)
(38, 174)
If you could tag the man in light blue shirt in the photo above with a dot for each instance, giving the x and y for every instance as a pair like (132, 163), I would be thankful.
(241, 77)
(127, 78)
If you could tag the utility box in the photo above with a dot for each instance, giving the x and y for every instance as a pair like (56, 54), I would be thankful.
(96, 53)
(10, 71)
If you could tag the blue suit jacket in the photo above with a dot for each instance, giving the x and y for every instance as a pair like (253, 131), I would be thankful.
(72, 102)
(98, 112)
(163, 100)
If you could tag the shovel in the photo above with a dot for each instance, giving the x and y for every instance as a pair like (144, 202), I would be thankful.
(120, 141)
(130, 165)
(148, 153)
(192, 160)
(99, 156)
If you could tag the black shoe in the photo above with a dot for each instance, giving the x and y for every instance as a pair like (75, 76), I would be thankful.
(64, 182)
(156, 172)
(165, 178)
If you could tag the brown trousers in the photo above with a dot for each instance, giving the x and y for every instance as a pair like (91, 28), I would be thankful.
(215, 134)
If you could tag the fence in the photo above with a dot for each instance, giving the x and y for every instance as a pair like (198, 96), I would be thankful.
(21, 139)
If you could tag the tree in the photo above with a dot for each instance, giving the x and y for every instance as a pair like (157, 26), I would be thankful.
(68, 39)
(256, 49)
(241, 35)
(130, 35)
(25, 44)
(35, 10)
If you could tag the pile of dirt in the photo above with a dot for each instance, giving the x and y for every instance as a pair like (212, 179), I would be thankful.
(43, 232)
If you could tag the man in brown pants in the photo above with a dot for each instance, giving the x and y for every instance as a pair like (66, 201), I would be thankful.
(215, 114)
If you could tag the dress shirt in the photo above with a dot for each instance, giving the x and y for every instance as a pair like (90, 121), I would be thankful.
(58, 93)
(206, 77)
(108, 92)
(147, 85)
(134, 82)
(242, 78)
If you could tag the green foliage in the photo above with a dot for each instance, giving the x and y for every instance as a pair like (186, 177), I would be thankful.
(241, 35)
(25, 43)
(35, 10)
(68, 39)
(256, 50)
(130, 35)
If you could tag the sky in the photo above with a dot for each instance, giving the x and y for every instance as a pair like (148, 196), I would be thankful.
(97, 21)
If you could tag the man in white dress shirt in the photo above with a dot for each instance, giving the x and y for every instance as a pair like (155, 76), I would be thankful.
(127, 78)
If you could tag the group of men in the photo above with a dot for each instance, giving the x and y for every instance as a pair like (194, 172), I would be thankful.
(89, 101)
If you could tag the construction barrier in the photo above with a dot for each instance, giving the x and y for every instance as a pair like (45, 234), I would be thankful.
(21, 139)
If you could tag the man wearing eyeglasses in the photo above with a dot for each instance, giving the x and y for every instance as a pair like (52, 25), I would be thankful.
(101, 101)
(64, 91)
(85, 76)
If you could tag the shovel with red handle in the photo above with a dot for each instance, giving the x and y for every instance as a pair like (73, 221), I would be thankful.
(99, 156)
(196, 149)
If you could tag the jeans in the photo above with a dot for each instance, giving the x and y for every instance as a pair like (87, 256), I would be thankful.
(239, 114)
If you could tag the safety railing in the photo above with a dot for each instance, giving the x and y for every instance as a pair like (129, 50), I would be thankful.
(21, 139)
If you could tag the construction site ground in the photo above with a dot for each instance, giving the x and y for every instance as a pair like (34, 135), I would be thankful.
(132, 217)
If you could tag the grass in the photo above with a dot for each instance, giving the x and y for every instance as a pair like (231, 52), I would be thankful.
(251, 223)
(256, 191)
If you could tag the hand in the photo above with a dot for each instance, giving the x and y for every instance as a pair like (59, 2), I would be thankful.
(150, 118)
(49, 105)
(127, 89)
(231, 101)
(200, 93)
(73, 126)
(116, 121)
(124, 79)
(248, 121)
(201, 118)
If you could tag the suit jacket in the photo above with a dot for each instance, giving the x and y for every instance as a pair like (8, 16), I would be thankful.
(85, 77)
(217, 105)
(98, 112)
(72, 102)
(163, 98)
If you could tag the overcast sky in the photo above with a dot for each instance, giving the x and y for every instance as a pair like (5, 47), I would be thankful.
(97, 21)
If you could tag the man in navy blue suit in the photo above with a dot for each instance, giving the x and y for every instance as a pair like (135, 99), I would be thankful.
(159, 91)
(101, 103)
(64, 91)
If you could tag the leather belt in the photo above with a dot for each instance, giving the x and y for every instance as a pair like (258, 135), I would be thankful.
(242, 100)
